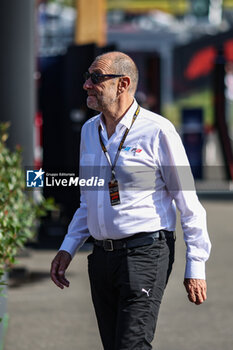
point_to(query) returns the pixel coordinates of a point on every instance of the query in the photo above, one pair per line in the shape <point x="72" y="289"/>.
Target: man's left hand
<point x="196" y="290"/>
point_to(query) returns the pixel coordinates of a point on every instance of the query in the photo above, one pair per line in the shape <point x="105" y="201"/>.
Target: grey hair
<point x="123" y="64"/>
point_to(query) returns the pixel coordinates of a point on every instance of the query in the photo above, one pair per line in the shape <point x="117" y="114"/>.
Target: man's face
<point x="103" y="94"/>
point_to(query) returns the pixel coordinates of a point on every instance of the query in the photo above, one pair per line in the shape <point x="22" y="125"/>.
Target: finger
<point x="58" y="268"/>
<point x="62" y="279"/>
<point x="57" y="277"/>
<point x="60" y="285"/>
<point x="53" y="274"/>
<point x="196" y="294"/>
<point x="56" y="281"/>
<point x="191" y="295"/>
<point x="54" y="269"/>
<point x="204" y="294"/>
<point x="61" y="273"/>
<point x="199" y="298"/>
<point x="201" y="295"/>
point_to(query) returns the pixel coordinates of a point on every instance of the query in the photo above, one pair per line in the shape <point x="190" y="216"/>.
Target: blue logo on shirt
<point x="35" y="178"/>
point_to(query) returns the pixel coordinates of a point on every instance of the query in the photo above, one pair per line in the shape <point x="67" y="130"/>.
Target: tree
<point x="18" y="210"/>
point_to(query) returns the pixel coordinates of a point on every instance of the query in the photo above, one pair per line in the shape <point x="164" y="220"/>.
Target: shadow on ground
<point x="19" y="276"/>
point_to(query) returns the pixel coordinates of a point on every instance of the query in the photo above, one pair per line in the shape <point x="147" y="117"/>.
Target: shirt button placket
<point x="100" y="211"/>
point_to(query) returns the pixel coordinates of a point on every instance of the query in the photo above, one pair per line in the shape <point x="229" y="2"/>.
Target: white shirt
<point x="154" y="177"/>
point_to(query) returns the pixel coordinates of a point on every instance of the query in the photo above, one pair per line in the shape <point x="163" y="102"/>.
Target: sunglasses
<point x="96" y="77"/>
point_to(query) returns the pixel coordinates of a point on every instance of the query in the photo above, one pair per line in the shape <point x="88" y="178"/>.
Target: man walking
<point x="133" y="220"/>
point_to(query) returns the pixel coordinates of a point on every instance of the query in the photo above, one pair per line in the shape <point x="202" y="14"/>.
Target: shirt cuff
<point x="195" y="269"/>
<point x="71" y="245"/>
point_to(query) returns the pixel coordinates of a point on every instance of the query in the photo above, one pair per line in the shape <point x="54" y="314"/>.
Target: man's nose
<point x="87" y="84"/>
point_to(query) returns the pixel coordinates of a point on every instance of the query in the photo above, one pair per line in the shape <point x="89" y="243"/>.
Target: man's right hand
<point x="58" y="268"/>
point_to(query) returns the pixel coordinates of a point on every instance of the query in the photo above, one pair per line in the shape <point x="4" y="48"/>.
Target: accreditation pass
<point x="114" y="192"/>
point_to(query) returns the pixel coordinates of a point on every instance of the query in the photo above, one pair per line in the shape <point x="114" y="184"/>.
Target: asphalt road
<point x="45" y="317"/>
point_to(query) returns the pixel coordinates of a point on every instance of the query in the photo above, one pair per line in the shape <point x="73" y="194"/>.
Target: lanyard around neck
<point x="120" y="145"/>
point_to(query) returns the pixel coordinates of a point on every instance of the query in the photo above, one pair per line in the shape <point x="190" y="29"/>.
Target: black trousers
<point x="127" y="286"/>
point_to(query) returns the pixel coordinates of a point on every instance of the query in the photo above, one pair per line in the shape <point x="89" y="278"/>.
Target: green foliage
<point x="18" y="210"/>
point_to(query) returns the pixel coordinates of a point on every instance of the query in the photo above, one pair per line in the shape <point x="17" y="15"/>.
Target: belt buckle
<point x="108" y="245"/>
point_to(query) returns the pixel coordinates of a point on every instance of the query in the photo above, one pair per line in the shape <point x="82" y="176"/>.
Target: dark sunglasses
<point x="96" y="77"/>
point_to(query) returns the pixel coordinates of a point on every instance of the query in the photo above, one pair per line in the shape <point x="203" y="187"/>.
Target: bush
<point x="18" y="210"/>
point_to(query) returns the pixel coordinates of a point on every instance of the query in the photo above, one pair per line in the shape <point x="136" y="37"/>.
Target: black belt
<point x="137" y="240"/>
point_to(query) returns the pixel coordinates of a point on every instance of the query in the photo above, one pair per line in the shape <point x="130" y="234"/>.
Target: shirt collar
<point x="125" y="121"/>
<point x="128" y="117"/>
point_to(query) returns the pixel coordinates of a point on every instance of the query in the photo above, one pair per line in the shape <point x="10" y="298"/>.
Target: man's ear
<point x="123" y="84"/>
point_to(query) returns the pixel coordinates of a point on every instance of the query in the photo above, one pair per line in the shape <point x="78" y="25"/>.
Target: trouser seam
<point x="151" y="300"/>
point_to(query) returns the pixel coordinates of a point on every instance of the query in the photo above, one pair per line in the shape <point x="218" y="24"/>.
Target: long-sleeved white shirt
<point x="154" y="177"/>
